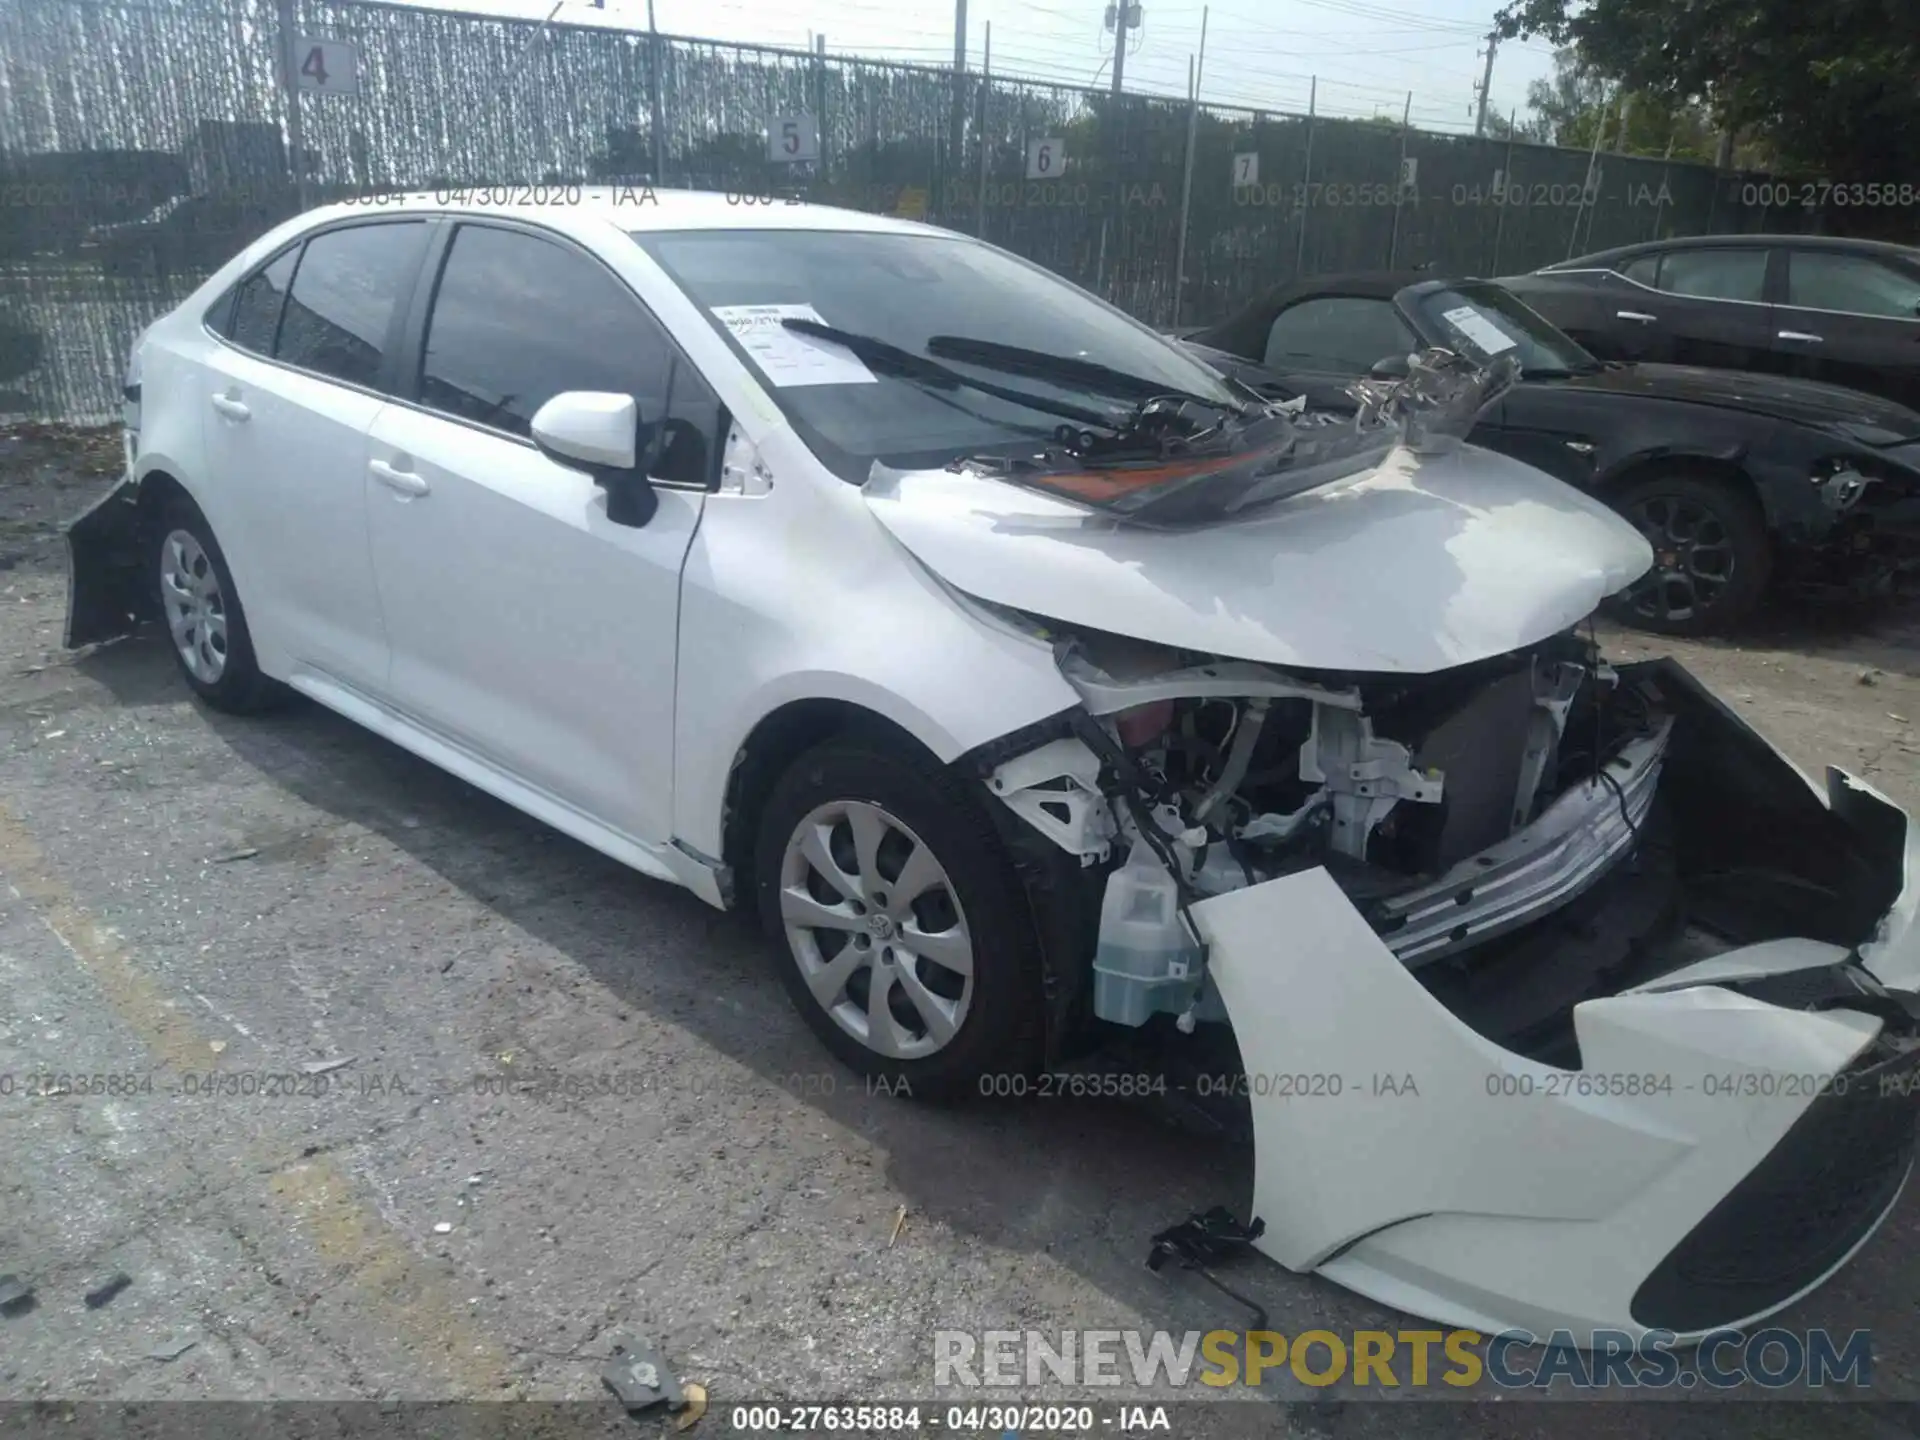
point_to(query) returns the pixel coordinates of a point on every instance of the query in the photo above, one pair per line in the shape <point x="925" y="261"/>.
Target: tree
<point x="1566" y="109"/>
<point x="1829" y="88"/>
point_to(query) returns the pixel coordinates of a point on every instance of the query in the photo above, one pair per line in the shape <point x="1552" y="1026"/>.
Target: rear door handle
<point x="231" y="408"/>
<point x="1799" y="335"/>
<point x="1639" y="317"/>
<point x="403" y="481"/>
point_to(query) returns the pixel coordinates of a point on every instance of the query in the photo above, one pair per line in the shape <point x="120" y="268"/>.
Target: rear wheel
<point x="1711" y="554"/>
<point x="205" y="623"/>
<point x="902" y="932"/>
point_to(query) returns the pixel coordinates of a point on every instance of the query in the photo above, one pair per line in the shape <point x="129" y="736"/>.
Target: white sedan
<point x="1026" y="677"/>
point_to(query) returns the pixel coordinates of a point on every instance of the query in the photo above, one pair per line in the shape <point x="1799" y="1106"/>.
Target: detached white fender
<point x="1506" y="1194"/>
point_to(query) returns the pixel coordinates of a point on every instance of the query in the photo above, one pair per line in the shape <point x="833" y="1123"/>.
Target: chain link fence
<point x="144" y="141"/>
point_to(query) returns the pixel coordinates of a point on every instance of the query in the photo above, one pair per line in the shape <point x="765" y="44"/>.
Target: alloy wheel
<point x="196" y="611"/>
<point x="875" y="926"/>
<point x="1692" y="558"/>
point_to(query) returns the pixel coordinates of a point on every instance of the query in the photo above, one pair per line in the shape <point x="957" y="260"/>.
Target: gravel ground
<point x="187" y="894"/>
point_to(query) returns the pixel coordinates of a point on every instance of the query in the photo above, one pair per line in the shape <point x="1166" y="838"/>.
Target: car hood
<point x="1866" y="418"/>
<point x="1424" y="562"/>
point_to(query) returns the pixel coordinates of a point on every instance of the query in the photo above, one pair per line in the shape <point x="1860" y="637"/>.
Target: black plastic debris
<point x="1207" y="1238"/>
<point x="640" y="1377"/>
<point x="16" y="1296"/>
<point x="100" y="1294"/>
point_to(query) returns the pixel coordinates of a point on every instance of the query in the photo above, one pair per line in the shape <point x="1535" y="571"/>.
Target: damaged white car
<point x="1026" y="676"/>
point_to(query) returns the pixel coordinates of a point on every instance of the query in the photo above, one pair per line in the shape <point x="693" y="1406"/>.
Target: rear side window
<point x="1345" y="335"/>
<point x="1646" y="270"/>
<point x="518" y="319"/>
<point x="343" y="298"/>
<point x="256" y="306"/>
<point x="1715" y="274"/>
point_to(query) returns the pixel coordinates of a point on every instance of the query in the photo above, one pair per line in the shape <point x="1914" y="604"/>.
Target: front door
<point x="1852" y="320"/>
<point x="524" y="624"/>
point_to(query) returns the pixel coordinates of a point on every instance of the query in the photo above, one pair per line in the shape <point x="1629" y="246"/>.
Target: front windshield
<point x="1485" y="322"/>
<point x="904" y="289"/>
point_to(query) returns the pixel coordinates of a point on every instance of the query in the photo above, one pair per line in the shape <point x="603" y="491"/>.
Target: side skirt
<point x="658" y="862"/>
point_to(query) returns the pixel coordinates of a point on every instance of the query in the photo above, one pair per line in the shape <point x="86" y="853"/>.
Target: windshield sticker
<point x="1476" y="327"/>
<point x="787" y="358"/>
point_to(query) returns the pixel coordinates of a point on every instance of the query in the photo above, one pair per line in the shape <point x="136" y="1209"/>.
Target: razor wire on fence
<point x="142" y="143"/>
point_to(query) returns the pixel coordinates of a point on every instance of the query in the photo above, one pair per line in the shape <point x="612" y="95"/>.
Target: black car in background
<point x="1815" y="307"/>
<point x="1737" y="480"/>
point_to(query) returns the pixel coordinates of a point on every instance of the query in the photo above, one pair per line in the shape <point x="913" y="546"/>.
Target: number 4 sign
<point x="793" y="138"/>
<point x="332" y="66"/>
<point x="1046" y="159"/>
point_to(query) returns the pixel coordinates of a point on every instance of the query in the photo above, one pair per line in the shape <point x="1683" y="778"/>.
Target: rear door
<point x="292" y="393"/>
<point x="526" y="626"/>
<point x="1704" y="305"/>
<point x="1852" y="320"/>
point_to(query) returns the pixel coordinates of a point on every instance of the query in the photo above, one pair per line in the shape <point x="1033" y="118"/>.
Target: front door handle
<point x="232" y="408"/>
<point x="403" y="481"/>
<point x="1638" y="317"/>
<point x="1800" y="336"/>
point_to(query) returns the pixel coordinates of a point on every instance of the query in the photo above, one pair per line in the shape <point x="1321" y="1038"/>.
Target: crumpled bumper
<point x="1716" y="1155"/>
<point x="105" y="593"/>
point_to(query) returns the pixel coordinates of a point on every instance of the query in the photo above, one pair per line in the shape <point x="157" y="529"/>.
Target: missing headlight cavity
<point x="1523" y="833"/>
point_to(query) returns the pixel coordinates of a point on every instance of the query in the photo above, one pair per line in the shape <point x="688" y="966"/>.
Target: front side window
<point x="1715" y="274"/>
<point x="1821" y="280"/>
<point x="518" y="319"/>
<point x="344" y="293"/>
<point x="257" y="304"/>
<point x="1340" y="334"/>
<point x="903" y="291"/>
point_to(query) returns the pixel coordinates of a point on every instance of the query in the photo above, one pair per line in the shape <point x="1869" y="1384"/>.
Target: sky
<point x="1368" y="54"/>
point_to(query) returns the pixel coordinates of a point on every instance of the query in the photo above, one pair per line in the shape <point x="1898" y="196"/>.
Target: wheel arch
<point x="776" y="740"/>
<point x="1704" y="464"/>
<point x="1062" y="896"/>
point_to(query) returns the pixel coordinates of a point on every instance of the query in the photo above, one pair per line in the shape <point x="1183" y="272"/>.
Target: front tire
<point x="1712" y="554"/>
<point x="901" y="930"/>
<point x="206" y="625"/>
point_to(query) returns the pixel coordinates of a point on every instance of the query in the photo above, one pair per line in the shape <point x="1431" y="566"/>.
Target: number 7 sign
<point x="331" y="66"/>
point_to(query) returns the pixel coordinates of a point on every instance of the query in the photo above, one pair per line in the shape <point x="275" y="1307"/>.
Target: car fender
<point x="801" y="594"/>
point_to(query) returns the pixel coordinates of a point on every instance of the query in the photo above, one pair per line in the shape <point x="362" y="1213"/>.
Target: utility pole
<point x="1120" y="9"/>
<point x="957" y="127"/>
<point x="1486" y="84"/>
<point x="655" y="57"/>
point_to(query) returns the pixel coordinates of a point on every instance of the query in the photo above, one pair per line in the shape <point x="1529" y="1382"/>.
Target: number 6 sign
<point x="332" y="66"/>
<point x="1046" y="159"/>
<point x="793" y="138"/>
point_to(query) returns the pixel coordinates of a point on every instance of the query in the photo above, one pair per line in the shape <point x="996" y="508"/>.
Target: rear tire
<point x="1712" y="554"/>
<point x="206" y="624"/>
<point x="955" y="1011"/>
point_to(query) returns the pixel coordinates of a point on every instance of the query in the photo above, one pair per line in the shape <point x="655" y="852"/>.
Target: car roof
<point x="1604" y="259"/>
<point x="636" y="207"/>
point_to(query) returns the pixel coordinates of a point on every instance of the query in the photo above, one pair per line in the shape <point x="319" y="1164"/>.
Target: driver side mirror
<point x="599" y="432"/>
<point x="1393" y="367"/>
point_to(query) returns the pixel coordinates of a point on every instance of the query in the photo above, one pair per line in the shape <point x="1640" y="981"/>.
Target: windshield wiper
<point x="1068" y="369"/>
<point x="885" y="356"/>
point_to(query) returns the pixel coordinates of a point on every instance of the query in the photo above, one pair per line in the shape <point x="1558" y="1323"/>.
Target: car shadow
<point x="1083" y="1182"/>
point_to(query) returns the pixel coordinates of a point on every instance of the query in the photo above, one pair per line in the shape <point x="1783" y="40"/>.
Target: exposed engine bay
<point x="1478" y="820"/>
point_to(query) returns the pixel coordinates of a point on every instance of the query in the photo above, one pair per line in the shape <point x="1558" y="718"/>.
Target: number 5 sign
<point x="332" y="66"/>
<point x="1046" y="159"/>
<point x="793" y="138"/>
